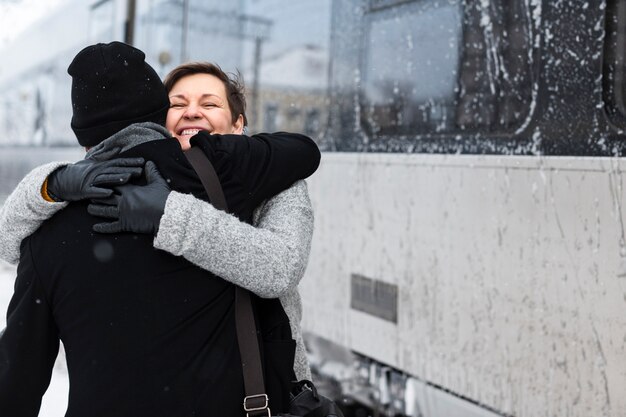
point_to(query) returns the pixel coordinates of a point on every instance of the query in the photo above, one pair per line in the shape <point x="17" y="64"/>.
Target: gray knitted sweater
<point x="268" y="259"/>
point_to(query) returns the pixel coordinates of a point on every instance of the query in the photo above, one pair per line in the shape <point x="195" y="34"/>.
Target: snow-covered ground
<point x="55" y="400"/>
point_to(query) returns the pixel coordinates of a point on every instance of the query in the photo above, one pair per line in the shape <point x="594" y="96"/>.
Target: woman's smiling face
<point x="198" y="102"/>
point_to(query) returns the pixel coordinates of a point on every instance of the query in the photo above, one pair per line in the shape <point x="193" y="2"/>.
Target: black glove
<point x="88" y="178"/>
<point x="136" y="208"/>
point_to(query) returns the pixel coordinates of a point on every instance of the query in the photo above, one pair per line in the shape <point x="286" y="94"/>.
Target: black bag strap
<point x="208" y="177"/>
<point x="256" y="402"/>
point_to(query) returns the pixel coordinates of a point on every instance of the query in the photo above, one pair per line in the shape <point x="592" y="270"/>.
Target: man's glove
<point x="89" y="178"/>
<point x="135" y="208"/>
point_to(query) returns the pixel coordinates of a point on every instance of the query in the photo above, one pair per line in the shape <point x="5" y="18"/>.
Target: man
<point x="145" y="333"/>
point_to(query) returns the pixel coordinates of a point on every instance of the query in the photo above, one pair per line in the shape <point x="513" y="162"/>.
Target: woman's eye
<point x="208" y="105"/>
<point x="176" y="106"/>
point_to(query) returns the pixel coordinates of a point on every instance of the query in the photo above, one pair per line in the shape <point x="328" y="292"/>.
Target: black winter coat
<point x="146" y="333"/>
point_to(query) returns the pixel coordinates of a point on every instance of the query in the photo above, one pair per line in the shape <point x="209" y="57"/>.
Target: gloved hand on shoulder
<point x="90" y="179"/>
<point x="135" y="208"/>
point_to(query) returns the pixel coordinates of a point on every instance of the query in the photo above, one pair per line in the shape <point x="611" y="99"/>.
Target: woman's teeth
<point x="187" y="132"/>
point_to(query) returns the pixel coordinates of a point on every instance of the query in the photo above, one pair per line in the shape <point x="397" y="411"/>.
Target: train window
<point x="434" y="66"/>
<point x="614" y="79"/>
<point x="407" y="83"/>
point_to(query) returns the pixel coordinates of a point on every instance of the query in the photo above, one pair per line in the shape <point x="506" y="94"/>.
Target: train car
<point x="469" y="256"/>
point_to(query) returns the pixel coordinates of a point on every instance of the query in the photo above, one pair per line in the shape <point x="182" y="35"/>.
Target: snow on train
<point x="469" y="256"/>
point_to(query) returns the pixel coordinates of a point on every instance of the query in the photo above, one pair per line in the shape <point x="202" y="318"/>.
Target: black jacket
<point x="146" y="333"/>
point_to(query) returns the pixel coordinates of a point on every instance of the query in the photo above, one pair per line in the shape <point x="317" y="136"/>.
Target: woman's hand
<point x="90" y="179"/>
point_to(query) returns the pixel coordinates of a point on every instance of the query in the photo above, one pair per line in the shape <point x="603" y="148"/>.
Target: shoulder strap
<point x="256" y="401"/>
<point x="208" y="177"/>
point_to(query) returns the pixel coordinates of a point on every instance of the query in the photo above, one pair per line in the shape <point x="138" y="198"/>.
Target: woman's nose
<point x="192" y="112"/>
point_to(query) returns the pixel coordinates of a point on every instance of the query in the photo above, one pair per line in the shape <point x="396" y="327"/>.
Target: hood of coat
<point x="126" y="139"/>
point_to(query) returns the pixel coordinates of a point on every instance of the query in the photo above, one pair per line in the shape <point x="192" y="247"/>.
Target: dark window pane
<point x="410" y="72"/>
<point x="433" y="66"/>
<point x="615" y="62"/>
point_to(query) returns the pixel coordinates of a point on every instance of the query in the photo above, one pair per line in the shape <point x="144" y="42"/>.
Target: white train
<point x="469" y="256"/>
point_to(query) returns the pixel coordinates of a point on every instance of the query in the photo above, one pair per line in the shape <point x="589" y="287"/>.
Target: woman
<point x="268" y="259"/>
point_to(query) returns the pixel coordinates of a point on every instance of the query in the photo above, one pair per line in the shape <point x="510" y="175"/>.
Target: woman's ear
<point x="238" y="125"/>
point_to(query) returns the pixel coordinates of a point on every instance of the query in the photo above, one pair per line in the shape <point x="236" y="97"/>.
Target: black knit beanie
<point x="112" y="88"/>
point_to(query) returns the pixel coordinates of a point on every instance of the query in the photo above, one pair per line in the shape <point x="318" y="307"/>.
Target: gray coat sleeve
<point x="269" y="259"/>
<point x="24" y="210"/>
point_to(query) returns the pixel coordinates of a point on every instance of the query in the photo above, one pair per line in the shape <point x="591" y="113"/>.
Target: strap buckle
<point x="248" y="408"/>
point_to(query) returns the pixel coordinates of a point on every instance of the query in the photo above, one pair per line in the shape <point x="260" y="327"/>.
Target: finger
<point x="120" y="170"/>
<point x="112" y="179"/>
<point x="152" y="173"/>
<point x="113" y="200"/>
<point x="99" y="210"/>
<point x="97" y="193"/>
<point x="113" y="227"/>
<point x="126" y="162"/>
